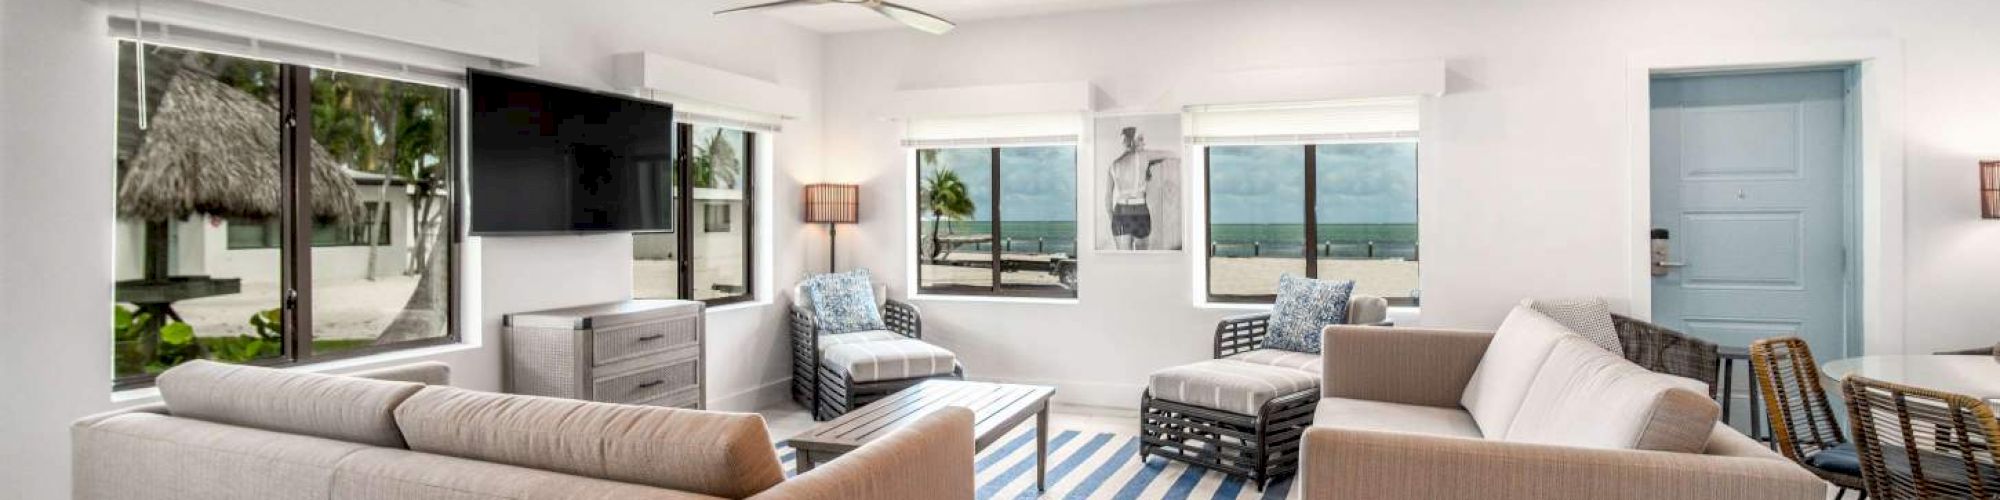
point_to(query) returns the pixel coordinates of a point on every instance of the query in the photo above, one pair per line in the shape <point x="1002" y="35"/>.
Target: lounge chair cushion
<point x="1839" y="459"/>
<point x="1305" y="306"/>
<point x="1229" y="385"/>
<point x="826" y="341"/>
<point x="1282" y="358"/>
<point x="844" y="302"/>
<point x="1500" y="382"/>
<point x="888" y="359"/>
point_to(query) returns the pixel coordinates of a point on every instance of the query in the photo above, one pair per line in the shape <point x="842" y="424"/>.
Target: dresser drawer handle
<point x="649" y="385"/>
<point x="653" y="337"/>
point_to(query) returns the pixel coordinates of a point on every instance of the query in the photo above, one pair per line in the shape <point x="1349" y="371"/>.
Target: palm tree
<point x="944" y="194"/>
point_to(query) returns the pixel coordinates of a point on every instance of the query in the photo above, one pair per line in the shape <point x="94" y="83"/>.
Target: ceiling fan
<point x="920" y="20"/>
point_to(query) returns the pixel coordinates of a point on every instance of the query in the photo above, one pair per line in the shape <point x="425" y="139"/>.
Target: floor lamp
<point x="832" y="204"/>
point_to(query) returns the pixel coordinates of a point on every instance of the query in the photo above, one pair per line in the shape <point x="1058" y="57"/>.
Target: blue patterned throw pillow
<point x="844" y="302"/>
<point x="1305" y="306"/>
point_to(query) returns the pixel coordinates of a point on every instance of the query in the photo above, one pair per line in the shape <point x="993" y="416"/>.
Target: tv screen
<point x="547" y="158"/>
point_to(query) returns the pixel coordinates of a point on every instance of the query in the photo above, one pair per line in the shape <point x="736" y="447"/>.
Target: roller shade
<point x="993" y="130"/>
<point x="702" y="113"/>
<point x="1359" y="120"/>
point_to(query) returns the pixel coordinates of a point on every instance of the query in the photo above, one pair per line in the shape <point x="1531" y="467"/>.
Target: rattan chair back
<point x="1802" y="422"/>
<point x="1918" y="443"/>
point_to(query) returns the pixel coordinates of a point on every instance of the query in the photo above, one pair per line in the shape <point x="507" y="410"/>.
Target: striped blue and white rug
<point x="1091" y="466"/>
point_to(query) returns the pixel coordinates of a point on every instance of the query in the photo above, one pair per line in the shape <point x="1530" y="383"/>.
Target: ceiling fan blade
<point x="768" y="5"/>
<point x="922" y="21"/>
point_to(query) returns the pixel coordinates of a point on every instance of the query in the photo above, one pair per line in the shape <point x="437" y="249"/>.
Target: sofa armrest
<point x="930" y="459"/>
<point x="1358" y="464"/>
<point x="1418" y="366"/>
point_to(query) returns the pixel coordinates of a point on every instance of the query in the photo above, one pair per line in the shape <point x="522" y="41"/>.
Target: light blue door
<point x="1747" y="180"/>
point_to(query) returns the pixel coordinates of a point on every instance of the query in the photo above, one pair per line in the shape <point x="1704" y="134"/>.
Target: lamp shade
<point x="833" y="203"/>
<point x="1989" y="189"/>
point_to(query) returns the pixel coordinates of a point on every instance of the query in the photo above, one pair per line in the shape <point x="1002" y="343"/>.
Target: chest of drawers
<point x="643" y="352"/>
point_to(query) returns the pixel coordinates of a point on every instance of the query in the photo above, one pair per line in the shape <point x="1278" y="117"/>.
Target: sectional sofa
<point x="226" y="432"/>
<point x="1530" y="411"/>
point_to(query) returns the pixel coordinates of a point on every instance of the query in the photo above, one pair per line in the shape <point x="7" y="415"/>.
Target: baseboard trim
<point x="763" y="396"/>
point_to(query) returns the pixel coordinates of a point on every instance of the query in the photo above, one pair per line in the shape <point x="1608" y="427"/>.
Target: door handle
<point x="1670" y="264"/>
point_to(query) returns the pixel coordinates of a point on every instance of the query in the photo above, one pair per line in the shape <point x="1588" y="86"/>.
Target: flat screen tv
<point x="548" y="159"/>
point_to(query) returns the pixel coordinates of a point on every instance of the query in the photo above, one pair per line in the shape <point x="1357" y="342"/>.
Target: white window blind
<point x="420" y="66"/>
<point x="1358" y="120"/>
<point x="993" y="130"/>
<point x="703" y="113"/>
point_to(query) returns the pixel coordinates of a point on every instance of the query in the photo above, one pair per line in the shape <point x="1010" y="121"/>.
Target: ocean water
<point x="1382" y="241"/>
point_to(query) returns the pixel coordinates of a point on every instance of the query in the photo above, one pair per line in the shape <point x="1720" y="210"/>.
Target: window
<point x="715" y="218"/>
<point x="997" y="221"/>
<point x="230" y="249"/>
<point x="247" y="234"/>
<point x="714" y="165"/>
<point x="1331" y="211"/>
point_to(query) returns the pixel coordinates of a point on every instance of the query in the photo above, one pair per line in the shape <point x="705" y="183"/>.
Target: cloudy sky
<point x="1358" y="183"/>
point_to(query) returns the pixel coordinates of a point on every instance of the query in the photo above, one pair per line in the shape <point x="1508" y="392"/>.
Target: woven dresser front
<point x="644" y="352"/>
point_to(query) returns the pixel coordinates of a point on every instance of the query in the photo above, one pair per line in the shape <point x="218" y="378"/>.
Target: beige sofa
<point x="1530" y="412"/>
<point x="232" y="432"/>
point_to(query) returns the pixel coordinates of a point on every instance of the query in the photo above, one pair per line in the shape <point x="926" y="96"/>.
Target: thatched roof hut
<point x="213" y="149"/>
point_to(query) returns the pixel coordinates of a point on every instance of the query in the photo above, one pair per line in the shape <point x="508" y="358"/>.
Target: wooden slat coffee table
<point x="996" y="409"/>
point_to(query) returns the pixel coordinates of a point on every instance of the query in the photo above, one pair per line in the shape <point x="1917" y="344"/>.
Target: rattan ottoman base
<point x="838" y="395"/>
<point x="1257" y="448"/>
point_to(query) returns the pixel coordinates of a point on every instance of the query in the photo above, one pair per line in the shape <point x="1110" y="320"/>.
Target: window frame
<point x="685" y="220"/>
<point x="1310" y="251"/>
<point x="296" y="294"/>
<point x="998" y="288"/>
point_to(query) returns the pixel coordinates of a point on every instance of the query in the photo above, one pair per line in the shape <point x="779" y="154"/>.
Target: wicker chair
<point x="1666" y="351"/>
<point x="1802" y="423"/>
<point x="1921" y="444"/>
<point x="1256" y="447"/>
<point x="830" y="392"/>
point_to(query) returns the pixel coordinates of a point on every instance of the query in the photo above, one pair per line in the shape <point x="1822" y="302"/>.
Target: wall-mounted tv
<point x="548" y="159"/>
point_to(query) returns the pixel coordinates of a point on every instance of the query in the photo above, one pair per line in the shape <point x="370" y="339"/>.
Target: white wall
<point x="56" y="211"/>
<point x="1525" y="189"/>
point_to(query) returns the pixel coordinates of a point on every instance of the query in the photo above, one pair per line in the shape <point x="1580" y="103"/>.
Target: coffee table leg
<point x="805" y="461"/>
<point x="1042" y="448"/>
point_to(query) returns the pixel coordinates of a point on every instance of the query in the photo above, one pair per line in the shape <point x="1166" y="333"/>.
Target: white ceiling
<point x="834" y="18"/>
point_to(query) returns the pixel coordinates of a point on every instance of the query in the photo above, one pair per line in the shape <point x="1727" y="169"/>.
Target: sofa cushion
<point x="1586" y="397"/>
<point x="826" y="341"/>
<point x="1304" y="307"/>
<point x="711" y="453"/>
<point x="1394" y="417"/>
<point x="844" y="302"/>
<point x="1229" y="385"/>
<point x="145" y="455"/>
<point x="888" y="359"/>
<point x="1508" y="367"/>
<point x="379" y="473"/>
<point x="1590" y="318"/>
<point x="330" y="406"/>
<point x="1283" y="359"/>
